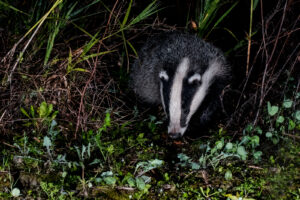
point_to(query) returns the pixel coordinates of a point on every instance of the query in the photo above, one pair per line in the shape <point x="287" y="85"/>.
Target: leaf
<point x="255" y="141"/>
<point x="228" y="146"/>
<point x="43" y="109"/>
<point x="297" y="115"/>
<point x="149" y="10"/>
<point x="287" y="103"/>
<point x="242" y="152"/>
<point x="131" y="182"/>
<point x="80" y="69"/>
<point x="257" y="155"/>
<point x="47" y="142"/>
<point x="126" y="14"/>
<point x="195" y="166"/>
<point x="269" y="134"/>
<point x="140" y="184"/>
<point x="292" y="125"/>
<point x="182" y="157"/>
<point x="32" y="111"/>
<point x="228" y="175"/>
<point x="219" y="144"/>
<point x="24" y="112"/>
<point x="108" y="173"/>
<point x="272" y="110"/>
<point x="15" y="192"/>
<point x="280" y="119"/>
<point x="110" y="180"/>
<point x="147" y="179"/>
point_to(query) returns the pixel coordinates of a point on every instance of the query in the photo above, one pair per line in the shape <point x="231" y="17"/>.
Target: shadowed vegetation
<point x="71" y="129"/>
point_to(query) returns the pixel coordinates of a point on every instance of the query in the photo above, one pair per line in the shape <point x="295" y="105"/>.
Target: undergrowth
<point x="70" y="128"/>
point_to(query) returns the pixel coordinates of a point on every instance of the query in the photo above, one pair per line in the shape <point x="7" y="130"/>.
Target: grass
<point x="64" y="74"/>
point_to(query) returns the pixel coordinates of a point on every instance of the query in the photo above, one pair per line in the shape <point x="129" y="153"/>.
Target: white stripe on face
<point x="175" y="98"/>
<point x="214" y="69"/>
<point x="195" y="77"/>
<point x="164" y="75"/>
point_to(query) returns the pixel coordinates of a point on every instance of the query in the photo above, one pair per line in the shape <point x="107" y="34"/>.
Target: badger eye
<point x="163" y="75"/>
<point x="196" y="78"/>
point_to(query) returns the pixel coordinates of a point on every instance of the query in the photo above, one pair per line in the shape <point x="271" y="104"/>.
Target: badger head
<point x="183" y="90"/>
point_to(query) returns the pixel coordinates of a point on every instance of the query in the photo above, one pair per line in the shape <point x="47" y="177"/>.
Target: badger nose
<point x="174" y="135"/>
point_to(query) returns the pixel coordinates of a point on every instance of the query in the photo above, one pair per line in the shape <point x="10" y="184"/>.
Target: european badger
<point x="184" y="74"/>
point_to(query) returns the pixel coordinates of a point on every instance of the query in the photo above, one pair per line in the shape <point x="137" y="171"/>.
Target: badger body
<point x="184" y="74"/>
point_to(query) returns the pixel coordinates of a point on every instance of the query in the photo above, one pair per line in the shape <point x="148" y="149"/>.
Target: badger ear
<point x="163" y="75"/>
<point x="195" y="78"/>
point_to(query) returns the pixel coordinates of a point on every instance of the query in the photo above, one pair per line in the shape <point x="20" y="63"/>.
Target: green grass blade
<point x="221" y="18"/>
<point x="127" y="14"/>
<point x="13" y="8"/>
<point x="148" y="11"/>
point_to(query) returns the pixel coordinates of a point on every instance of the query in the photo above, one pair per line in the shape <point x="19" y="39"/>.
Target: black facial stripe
<point x="187" y="95"/>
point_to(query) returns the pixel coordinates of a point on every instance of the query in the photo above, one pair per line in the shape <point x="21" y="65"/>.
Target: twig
<point x="249" y="38"/>
<point x="22" y="52"/>
<point x="2" y="115"/>
<point x="262" y="96"/>
<point x="125" y="188"/>
<point x="94" y="70"/>
<point x="293" y="136"/>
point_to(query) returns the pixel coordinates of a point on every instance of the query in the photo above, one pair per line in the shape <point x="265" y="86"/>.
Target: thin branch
<point x="93" y="72"/>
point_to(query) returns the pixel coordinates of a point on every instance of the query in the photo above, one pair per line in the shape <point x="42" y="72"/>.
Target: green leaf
<point x="24" y="112"/>
<point x="195" y="166"/>
<point x="242" y="152"/>
<point x="257" y="155"/>
<point x="126" y="14"/>
<point x="80" y="70"/>
<point x="110" y="180"/>
<point x="228" y="146"/>
<point x="47" y="142"/>
<point x="258" y="130"/>
<point x="292" y="125"/>
<point x="297" y="115"/>
<point x="272" y="110"/>
<point x="269" y="134"/>
<point x="219" y="144"/>
<point x="228" y="175"/>
<point x="140" y="184"/>
<point x="149" y="10"/>
<point x="287" y="103"/>
<point x="183" y="157"/>
<point x="15" y="192"/>
<point x="255" y="141"/>
<point x="131" y="182"/>
<point x="280" y="119"/>
<point x="43" y="109"/>
<point x="32" y="111"/>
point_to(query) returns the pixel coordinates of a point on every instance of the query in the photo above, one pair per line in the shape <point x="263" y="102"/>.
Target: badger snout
<point x="176" y="131"/>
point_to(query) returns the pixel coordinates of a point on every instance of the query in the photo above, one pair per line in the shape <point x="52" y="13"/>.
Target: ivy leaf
<point x="110" y="180"/>
<point x="269" y="134"/>
<point x="195" y="166"/>
<point x="292" y="125"/>
<point x="140" y="183"/>
<point x="280" y="119"/>
<point x="272" y="110"/>
<point x="15" y="192"/>
<point x="287" y="103"/>
<point x="257" y="155"/>
<point x="297" y="115"/>
<point x="228" y="175"/>
<point x="242" y="152"/>
<point x="228" y="146"/>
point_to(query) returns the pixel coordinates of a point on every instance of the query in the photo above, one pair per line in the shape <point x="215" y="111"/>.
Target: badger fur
<point x="184" y="74"/>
